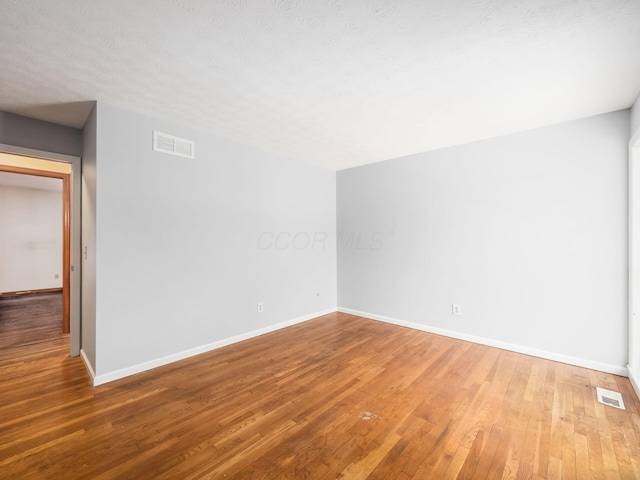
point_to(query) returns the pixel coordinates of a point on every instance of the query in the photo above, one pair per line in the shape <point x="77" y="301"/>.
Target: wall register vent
<point x="173" y="145"/>
<point x="609" y="397"/>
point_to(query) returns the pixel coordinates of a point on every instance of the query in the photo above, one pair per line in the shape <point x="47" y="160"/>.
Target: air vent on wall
<point x="173" y="145"/>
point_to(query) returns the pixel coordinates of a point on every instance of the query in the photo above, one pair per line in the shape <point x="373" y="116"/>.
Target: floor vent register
<point x="609" y="397"/>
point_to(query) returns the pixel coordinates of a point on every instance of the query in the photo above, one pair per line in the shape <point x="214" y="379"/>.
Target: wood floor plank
<point x="569" y="471"/>
<point x="554" y="471"/>
<point x="582" y="457"/>
<point x="347" y="398"/>
<point x="472" y="457"/>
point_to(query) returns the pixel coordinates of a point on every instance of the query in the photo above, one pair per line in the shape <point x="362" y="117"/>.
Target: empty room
<point x="319" y="239"/>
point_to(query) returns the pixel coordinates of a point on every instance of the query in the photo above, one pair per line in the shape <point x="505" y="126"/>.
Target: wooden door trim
<point x="66" y="233"/>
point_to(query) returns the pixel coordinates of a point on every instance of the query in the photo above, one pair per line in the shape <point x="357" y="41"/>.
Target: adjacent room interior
<point x="320" y="240"/>
<point x="31" y="256"/>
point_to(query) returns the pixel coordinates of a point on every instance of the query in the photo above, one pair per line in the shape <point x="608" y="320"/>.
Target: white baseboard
<point x="635" y="381"/>
<point x="557" y="357"/>
<point x="141" y="367"/>
<point x="87" y="365"/>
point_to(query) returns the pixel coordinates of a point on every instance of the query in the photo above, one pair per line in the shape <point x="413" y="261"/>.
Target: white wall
<point x="182" y="250"/>
<point x="30" y="239"/>
<point x="527" y="232"/>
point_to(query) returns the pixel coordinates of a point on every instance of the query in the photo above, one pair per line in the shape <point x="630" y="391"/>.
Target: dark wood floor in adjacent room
<point x="335" y="397"/>
<point x="28" y="319"/>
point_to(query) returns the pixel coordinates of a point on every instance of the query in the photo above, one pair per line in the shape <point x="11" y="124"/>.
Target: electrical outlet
<point x="260" y="308"/>
<point x="456" y="309"/>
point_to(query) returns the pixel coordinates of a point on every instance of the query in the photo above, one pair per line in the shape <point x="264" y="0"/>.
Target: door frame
<point x="71" y="279"/>
<point x="633" y="365"/>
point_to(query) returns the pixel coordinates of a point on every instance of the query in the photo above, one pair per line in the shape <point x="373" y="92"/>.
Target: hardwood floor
<point x="335" y="397"/>
<point x="27" y="319"/>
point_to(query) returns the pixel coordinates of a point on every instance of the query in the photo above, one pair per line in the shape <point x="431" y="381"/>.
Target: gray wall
<point x="88" y="272"/>
<point x="635" y="117"/>
<point x="186" y="248"/>
<point x="527" y="232"/>
<point x="39" y="135"/>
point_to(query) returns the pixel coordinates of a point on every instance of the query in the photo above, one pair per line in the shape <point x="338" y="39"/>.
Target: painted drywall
<point x="30" y="238"/>
<point x="88" y="242"/>
<point x="186" y="248"/>
<point x="527" y="232"/>
<point x="27" y="132"/>
<point x="635" y="117"/>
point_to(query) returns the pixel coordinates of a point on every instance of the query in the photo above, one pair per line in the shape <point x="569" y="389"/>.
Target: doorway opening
<point x="37" y="194"/>
<point x="61" y="169"/>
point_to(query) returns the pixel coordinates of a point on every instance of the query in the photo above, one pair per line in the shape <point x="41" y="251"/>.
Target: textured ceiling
<point x="336" y="83"/>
